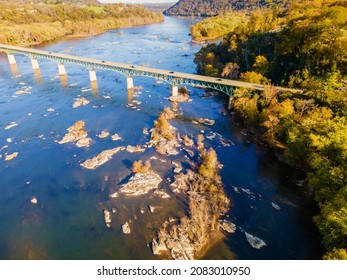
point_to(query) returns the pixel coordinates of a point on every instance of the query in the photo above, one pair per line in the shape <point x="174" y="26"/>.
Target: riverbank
<point x="37" y="24"/>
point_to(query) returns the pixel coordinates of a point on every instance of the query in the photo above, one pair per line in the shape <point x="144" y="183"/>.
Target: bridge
<point x="129" y="71"/>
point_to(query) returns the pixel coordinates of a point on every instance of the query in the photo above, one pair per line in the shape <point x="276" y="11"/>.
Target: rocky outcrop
<point x="116" y="137"/>
<point x="207" y="202"/>
<point x="161" y="194"/>
<point x="80" y="102"/>
<point x="177" y="167"/>
<point x="227" y="226"/>
<point x="165" y="147"/>
<point x="254" y="241"/>
<point x="107" y="217"/>
<point x="180" y="98"/>
<point x="126" y="228"/>
<point x="103" y="134"/>
<point x="275" y="206"/>
<point x="139" y="184"/>
<point x="11" y="156"/>
<point x="101" y="158"/>
<point x="12" y="124"/>
<point x="205" y="121"/>
<point x="77" y="133"/>
<point x="187" y="141"/>
<point x="135" y="149"/>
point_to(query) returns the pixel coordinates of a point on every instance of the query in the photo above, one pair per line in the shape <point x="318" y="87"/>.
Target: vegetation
<point x="162" y="129"/>
<point x="215" y="7"/>
<point x="141" y="167"/>
<point x="30" y="24"/>
<point x="303" y="46"/>
<point x="216" y="27"/>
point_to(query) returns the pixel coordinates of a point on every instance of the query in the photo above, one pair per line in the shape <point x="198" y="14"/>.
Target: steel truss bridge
<point x="172" y="77"/>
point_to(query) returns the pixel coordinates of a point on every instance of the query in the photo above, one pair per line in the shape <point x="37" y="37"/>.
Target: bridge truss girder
<point x="129" y="72"/>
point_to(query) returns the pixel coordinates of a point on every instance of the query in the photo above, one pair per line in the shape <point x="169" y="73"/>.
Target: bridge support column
<point x="92" y="75"/>
<point x="35" y="64"/>
<point x="62" y="71"/>
<point x="11" y="59"/>
<point x="230" y="104"/>
<point x="174" y="90"/>
<point x="130" y="83"/>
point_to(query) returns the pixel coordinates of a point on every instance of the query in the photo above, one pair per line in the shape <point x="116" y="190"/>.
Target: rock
<point x="84" y="142"/>
<point x="103" y="134"/>
<point x="114" y="210"/>
<point x="158" y="246"/>
<point x="205" y="121"/>
<point x="139" y="184"/>
<point x="274" y="205"/>
<point x="227" y="226"/>
<point x="80" y="102"/>
<point x="169" y="114"/>
<point x="211" y="136"/>
<point x="107" y="216"/>
<point x="187" y="141"/>
<point x="116" y="137"/>
<point x="12" y="124"/>
<point x="255" y="242"/>
<point x="180" y="98"/>
<point x="101" y="158"/>
<point x="11" y="156"/>
<point x="126" y="228"/>
<point x="145" y="131"/>
<point x="152" y="208"/>
<point x="190" y="152"/>
<point x="77" y="133"/>
<point x="34" y="200"/>
<point x="226" y="143"/>
<point x="142" y="211"/>
<point x="181" y="249"/>
<point x="135" y="149"/>
<point x="161" y="194"/>
<point x="165" y="147"/>
<point x="236" y="190"/>
<point x="178" y="167"/>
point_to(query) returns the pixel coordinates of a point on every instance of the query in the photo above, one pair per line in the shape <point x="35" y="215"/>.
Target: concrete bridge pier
<point x="130" y="83"/>
<point x="92" y="75"/>
<point x="11" y="59"/>
<point x="174" y="90"/>
<point x="61" y="68"/>
<point x="230" y="104"/>
<point x="35" y="64"/>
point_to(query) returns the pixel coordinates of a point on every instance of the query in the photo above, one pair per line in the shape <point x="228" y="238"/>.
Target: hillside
<point x="25" y="24"/>
<point x="304" y="47"/>
<point x="214" y="7"/>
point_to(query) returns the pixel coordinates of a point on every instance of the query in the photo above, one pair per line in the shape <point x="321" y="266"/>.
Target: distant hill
<point x="158" y="7"/>
<point x="215" y="7"/>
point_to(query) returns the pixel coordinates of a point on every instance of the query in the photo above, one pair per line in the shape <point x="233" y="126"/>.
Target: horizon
<point x="138" y="1"/>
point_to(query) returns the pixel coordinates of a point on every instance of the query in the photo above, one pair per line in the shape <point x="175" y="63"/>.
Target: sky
<point x="137" y="1"/>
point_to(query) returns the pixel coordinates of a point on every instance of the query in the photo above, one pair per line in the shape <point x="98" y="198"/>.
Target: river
<point x="67" y="221"/>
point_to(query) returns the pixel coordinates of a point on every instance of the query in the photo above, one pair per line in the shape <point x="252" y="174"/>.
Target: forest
<point x="207" y="8"/>
<point x="27" y="23"/>
<point x="302" y="46"/>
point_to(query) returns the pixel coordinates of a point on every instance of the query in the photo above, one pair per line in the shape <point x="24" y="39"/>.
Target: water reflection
<point x="14" y="70"/>
<point x="63" y="81"/>
<point x="95" y="89"/>
<point x="38" y="76"/>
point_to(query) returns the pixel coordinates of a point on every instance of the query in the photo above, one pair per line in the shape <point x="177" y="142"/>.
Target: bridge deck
<point x="95" y="63"/>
